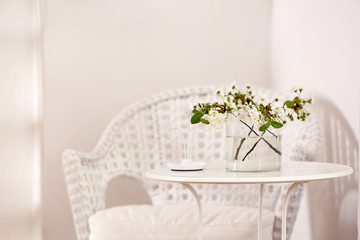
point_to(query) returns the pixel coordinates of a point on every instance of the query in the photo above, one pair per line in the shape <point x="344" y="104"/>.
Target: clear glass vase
<point x="250" y="150"/>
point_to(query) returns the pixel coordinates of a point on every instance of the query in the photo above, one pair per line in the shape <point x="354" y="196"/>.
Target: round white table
<point x="290" y="172"/>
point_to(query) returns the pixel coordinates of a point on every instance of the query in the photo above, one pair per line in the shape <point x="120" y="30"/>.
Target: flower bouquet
<point x="253" y="123"/>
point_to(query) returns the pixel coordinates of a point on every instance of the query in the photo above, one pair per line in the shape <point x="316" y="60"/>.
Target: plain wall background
<point x="315" y="44"/>
<point x="101" y="56"/>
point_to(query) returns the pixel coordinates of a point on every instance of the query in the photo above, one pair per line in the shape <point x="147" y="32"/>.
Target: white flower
<point x="281" y="99"/>
<point x="233" y="105"/>
<point x="283" y="114"/>
<point x="207" y="117"/>
<point x="229" y="102"/>
<point x="221" y="100"/>
<point x="277" y="106"/>
<point x="254" y="117"/>
<point x="248" y="86"/>
<point x="219" y="91"/>
<point x="256" y="99"/>
<point x="292" y="95"/>
<point x="233" y="83"/>
<point x="216" y="119"/>
<point x="313" y="100"/>
<point x="213" y="113"/>
<point x="264" y="99"/>
<point x="308" y="107"/>
<point x="294" y="88"/>
<point x="242" y="114"/>
<point x="229" y="88"/>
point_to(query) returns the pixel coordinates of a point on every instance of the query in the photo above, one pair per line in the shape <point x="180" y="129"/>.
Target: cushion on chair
<point x="178" y="221"/>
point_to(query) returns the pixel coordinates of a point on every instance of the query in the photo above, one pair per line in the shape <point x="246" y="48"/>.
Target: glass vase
<point x="250" y="150"/>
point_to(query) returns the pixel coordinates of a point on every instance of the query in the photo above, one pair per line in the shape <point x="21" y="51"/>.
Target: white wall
<point x="101" y="56"/>
<point x="316" y="44"/>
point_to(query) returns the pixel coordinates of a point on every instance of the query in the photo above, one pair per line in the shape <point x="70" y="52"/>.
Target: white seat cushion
<point x="178" y="221"/>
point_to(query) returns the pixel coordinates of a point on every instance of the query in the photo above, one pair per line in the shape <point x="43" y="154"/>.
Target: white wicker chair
<point x="134" y="142"/>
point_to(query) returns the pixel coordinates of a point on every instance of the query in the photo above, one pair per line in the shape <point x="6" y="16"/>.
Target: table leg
<point x="284" y="209"/>
<point x="260" y="211"/>
<point x="196" y="195"/>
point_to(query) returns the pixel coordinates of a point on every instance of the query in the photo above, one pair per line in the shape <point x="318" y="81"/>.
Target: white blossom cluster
<point x="242" y="112"/>
<point x="216" y="119"/>
<point x="259" y="111"/>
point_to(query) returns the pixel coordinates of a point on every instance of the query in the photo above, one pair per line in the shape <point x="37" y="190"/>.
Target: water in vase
<point x="253" y="153"/>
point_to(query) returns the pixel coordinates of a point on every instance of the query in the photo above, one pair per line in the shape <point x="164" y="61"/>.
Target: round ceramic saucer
<point x="186" y="166"/>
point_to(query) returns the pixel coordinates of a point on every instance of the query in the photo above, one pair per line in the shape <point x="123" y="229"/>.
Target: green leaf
<point x="276" y="124"/>
<point x="288" y="103"/>
<point x="204" y="121"/>
<point x="196" y="118"/>
<point x="264" y="127"/>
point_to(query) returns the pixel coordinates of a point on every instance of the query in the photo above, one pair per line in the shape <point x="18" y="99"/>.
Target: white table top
<point x="290" y="172"/>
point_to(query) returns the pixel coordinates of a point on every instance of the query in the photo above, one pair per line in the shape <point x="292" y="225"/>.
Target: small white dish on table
<point x="187" y="165"/>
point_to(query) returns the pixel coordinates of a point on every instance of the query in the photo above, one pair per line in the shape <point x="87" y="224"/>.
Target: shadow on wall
<point x="333" y="203"/>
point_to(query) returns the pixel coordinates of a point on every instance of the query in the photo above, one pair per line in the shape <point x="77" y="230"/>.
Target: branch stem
<point x="241" y="143"/>
<point x="251" y="128"/>
<point x="253" y="147"/>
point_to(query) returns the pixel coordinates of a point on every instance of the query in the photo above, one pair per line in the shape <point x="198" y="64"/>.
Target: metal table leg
<point x="196" y="195"/>
<point x="260" y="211"/>
<point x="284" y="209"/>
